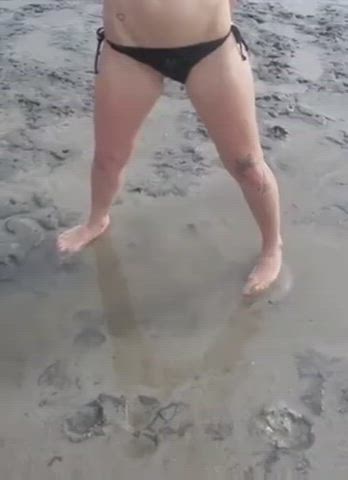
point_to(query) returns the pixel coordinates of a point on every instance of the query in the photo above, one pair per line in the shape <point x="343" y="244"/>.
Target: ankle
<point x="98" y="222"/>
<point x="272" y="247"/>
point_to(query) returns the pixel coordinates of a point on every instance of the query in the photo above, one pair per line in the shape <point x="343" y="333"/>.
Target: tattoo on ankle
<point x="121" y="17"/>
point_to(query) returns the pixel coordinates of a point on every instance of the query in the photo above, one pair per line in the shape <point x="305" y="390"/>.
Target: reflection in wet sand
<point x="131" y="353"/>
<point x="157" y="361"/>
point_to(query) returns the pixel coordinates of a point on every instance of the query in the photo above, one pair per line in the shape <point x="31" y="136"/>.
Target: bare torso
<point x="165" y="23"/>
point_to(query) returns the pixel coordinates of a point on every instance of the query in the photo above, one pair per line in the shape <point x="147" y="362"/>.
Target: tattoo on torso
<point x="120" y="16"/>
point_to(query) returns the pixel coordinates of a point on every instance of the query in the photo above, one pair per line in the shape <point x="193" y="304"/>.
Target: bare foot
<point x="75" y="239"/>
<point x="265" y="273"/>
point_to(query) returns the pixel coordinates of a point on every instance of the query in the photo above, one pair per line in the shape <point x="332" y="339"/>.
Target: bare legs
<point x="124" y="95"/>
<point x="221" y="89"/>
<point x="263" y="199"/>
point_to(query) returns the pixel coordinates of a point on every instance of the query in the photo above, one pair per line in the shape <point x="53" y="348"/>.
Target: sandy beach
<point x="137" y="359"/>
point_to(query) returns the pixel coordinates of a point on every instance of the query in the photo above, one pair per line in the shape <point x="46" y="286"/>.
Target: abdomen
<point x="165" y="23"/>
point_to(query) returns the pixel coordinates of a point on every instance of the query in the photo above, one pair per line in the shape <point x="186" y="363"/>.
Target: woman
<point x="191" y="42"/>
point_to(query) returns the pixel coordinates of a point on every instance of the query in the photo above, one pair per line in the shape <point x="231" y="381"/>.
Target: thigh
<point x="222" y="91"/>
<point x="125" y="92"/>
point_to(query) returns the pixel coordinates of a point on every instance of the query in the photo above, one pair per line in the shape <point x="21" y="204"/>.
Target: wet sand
<point x="138" y="358"/>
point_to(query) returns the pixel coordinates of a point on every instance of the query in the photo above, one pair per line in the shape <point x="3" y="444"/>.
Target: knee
<point x="250" y="172"/>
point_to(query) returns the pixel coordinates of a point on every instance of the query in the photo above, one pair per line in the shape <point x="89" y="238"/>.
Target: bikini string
<point x="240" y="40"/>
<point x="100" y="38"/>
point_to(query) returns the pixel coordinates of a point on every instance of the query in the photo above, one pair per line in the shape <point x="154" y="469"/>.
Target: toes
<point x="255" y="287"/>
<point x="251" y="289"/>
<point x="60" y="244"/>
<point x="74" y="240"/>
<point x="65" y="241"/>
<point x="63" y="245"/>
<point x="62" y="248"/>
<point x="252" y="285"/>
<point x="258" y="283"/>
<point x="65" y="235"/>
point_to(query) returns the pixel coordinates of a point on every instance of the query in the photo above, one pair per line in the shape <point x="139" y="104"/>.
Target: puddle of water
<point x="171" y="325"/>
<point x="168" y="293"/>
<point x="153" y="301"/>
<point x="164" y="288"/>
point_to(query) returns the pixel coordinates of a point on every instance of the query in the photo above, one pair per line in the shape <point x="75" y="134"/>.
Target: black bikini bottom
<point x="175" y="63"/>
